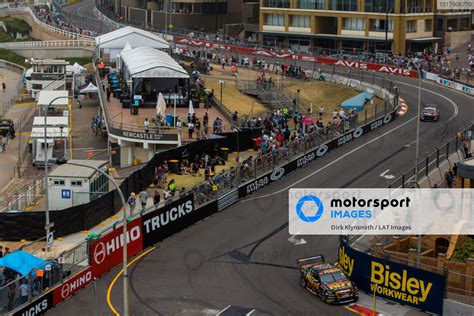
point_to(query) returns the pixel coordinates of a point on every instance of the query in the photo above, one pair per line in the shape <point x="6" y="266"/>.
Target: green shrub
<point x="15" y="26"/>
<point x="12" y="57"/>
<point x="465" y="251"/>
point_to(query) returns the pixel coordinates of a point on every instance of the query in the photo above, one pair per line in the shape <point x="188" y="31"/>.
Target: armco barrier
<point x="397" y="282"/>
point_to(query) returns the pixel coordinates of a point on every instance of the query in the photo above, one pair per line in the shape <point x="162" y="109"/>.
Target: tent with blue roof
<point x="358" y="101"/>
<point x="22" y="262"/>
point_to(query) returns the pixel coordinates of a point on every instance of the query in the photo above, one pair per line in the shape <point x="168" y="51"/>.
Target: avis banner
<point x="107" y="252"/>
<point x="390" y="69"/>
<point x="167" y="220"/>
<point x="394" y="281"/>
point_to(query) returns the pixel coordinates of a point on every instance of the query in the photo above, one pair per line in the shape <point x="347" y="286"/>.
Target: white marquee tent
<point x="113" y="42"/>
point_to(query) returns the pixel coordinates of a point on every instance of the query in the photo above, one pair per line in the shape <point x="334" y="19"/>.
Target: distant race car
<point x="430" y="113"/>
<point x="326" y="281"/>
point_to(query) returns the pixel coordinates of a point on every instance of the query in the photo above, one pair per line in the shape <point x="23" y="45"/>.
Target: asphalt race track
<point x="242" y="256"/>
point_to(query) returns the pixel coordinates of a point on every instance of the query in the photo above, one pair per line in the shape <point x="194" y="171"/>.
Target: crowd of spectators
<point x="59" y="21"/>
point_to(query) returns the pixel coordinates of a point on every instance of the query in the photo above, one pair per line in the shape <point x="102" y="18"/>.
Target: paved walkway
<point x="9" y="158"/>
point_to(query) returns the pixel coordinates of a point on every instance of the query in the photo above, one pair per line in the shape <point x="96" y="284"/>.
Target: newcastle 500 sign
<point x="397" y="282"/>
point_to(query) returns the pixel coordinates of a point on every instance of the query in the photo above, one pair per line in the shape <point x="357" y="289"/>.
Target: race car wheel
<point x="303" y="282"/>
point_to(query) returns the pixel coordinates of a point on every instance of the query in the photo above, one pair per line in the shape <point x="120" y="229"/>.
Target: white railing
<point x="85" y="44"/>
<point x="23" y="8"/>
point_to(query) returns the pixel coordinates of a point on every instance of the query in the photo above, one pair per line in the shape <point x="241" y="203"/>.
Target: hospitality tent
<point x="112" y="43"/>
<point x="22" y="262"/>
<point x="151" y="71"/>
<point x="90" y="89"/>
<point x="79" y="67"/>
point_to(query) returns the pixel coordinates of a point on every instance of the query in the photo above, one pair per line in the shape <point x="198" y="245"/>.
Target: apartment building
<point x="398" y="26"/>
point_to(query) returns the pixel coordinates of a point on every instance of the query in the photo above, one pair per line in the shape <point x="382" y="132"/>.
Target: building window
<point x="411" y="26"/>
<point x="379" y="6"/>
<point x="300" y="21"/>
<point x="310" y="4"/>
<point x="428" y="25"/>
<point x="439" y="25"/>
<point x="343" y="5"/>
<point x="58" y="182"/>
<point x="353" y="24"/>
<point x="276" y="3"/>
<point x="275" y="19"/>
<point x="379" y="26"/>
<point x="415" y="6"/>
<point x="76" y="183"/>
<point x="464" y="23"/>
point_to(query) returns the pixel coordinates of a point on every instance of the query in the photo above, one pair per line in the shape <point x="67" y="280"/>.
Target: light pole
<point x="46" y="187"/>
<point x="126" y="302"/>
<point x="417" y="149"/>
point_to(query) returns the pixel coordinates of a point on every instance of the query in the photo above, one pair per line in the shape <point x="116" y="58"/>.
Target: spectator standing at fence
<point x="7" y="251"/>
<point x="146" y="125"/>
<point x="321" y="112"/>
<point x="143" y="198"/>
<point x="235" y="118"/>
<point x="4" y="86"/>
<point x="23" y="292"/>
<point x="1" y="251"/>
<point x="448" y="176"/>
<point x="172" y="187"/>
<point x="131" y="202"/>
<point x="108" y="94"/>
<point x="156" y="198"/>
<point x="190" y="129"/>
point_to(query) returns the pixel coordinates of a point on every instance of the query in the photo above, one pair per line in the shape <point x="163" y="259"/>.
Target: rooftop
<point x="134" y="36"/>
<point x="46" y="96"/>
<point x="146" y="62"/>
<point x="68" y="170"/>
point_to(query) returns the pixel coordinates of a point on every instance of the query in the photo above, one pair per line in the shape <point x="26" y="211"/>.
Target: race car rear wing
<point x="310" y="261"/>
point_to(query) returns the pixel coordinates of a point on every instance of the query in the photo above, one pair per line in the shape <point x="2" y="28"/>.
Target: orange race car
<point x="327" y="281"/>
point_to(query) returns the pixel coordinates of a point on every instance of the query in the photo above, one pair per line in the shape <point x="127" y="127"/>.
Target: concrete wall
<point x="45" y="53"/>
<point x="454" y="308"/>
<point x="456" y="39"/>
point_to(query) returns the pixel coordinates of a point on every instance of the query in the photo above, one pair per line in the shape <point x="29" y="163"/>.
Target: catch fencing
<point x="43" y="278"/>
<point x="433" y="160"/>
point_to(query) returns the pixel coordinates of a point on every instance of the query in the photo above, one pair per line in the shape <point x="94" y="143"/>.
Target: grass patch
<point x="10" y="56"/>
<point x="188" y="181"/>
<point x="233" y="99"/>
<point x="465" y="251"/>
<point x="16" y="26"/>
<point x="330" y="96"/>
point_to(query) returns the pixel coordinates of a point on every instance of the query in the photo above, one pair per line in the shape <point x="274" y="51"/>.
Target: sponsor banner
<point x="323" y="60"/>
<point x="430" y="76"/>
<point x="72" y="286"/>
<point x="266" y="179"/>
<point x="107" y="252"/>
<point x="38" y="306"/>
<point x="167" y="220"/>
<point x="393" y="281"/>
<point x="456" y="85"/>
<point x="380" y="211"/>
<point x="367" y="66"/>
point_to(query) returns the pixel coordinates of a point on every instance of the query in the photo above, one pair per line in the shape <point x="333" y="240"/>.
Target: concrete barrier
<point x="454" y="308"/>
